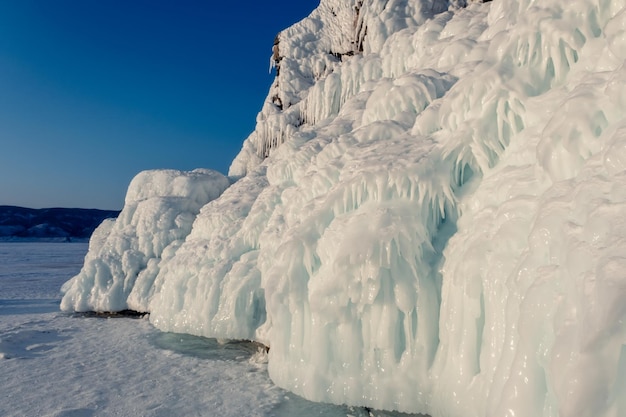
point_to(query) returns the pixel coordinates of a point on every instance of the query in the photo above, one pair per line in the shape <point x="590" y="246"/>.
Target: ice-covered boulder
<point x="124" y="253"/>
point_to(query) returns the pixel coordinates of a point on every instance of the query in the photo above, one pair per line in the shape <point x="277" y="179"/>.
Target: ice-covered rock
<point x="428" y="216"/>
<point x="124" y="254"/>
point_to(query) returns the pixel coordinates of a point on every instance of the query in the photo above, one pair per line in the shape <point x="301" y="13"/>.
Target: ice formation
<point x="429" y="216"/>
<point x="124" y="254"/>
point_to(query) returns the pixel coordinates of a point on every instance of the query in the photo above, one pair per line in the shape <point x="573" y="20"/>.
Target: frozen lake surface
<point x="58" y="364"/>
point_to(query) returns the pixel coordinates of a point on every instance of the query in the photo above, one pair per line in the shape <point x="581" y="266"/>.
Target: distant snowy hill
<point x="18" y="223"/>
<point x="430" y="215"/>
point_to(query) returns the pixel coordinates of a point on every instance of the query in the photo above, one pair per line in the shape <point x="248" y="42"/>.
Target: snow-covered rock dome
<point x="429" y="216"/>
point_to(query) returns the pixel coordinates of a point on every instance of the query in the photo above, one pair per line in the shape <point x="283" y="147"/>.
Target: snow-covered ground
<point x="59" y="364"/>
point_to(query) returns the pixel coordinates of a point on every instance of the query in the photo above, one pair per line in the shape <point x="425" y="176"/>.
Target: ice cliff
<point x="430" y="215"/>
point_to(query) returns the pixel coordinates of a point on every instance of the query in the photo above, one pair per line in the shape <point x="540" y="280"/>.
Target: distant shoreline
<point x="21" y="224"/>
<point x="13" y="239"/>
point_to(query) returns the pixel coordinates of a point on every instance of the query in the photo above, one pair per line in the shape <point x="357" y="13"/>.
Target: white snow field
<point x="429" y="217"/>
<point x="70" y="365"/>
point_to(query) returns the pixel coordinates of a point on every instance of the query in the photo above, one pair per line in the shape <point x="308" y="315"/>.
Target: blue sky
<point x="92" y="92"/>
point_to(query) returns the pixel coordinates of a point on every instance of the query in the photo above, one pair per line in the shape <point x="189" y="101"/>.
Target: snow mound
<point x="124" y="254"/>
<point x="428" y="217"/>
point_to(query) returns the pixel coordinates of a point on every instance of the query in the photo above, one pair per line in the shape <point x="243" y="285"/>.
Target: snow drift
<point x="429" y="216"/>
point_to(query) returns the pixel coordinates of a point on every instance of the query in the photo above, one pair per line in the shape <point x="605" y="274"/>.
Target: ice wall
<point x="428" y="216"/>
<point x="307" y="55"/>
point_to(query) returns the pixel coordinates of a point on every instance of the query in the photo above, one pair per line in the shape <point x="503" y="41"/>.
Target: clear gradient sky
<point x="94" y="91"/>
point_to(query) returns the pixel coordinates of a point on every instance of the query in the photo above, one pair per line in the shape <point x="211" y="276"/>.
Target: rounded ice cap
<point x="199" y="185"/>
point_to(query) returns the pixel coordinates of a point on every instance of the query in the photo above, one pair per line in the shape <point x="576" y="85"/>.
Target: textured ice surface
<point x="124" y="254"/>
<point x="429" y="216"/>
<point x="110" y="367"/>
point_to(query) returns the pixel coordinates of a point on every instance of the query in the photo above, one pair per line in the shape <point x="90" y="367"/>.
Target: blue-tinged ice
<point x="429" y="216"/>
